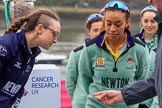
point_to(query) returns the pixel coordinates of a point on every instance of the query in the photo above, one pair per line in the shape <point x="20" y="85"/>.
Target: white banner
<point x="42" y="88"/>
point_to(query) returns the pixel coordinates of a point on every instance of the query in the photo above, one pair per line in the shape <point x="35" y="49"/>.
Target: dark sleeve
<point x="139" y="91"/>
<point x="3" y="59"/>
<point x="15" y="101"/>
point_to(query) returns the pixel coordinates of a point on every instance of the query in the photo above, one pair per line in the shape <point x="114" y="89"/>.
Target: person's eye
<point x="152" y="21"/>
<point x="95" y="30"/>
<point x="108" y="23"/>
<point x="146" y="21"/>
<point x="118" y="24"/>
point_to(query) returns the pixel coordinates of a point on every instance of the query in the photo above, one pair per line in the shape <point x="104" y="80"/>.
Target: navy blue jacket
<point x="16" y="63"/>
<point x="149" y="87"/>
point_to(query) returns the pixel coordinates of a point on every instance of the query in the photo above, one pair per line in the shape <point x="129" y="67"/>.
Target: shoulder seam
<point x="138" y="41"/>
<point x="78" y="48"/>
<point x="92" y="41"/>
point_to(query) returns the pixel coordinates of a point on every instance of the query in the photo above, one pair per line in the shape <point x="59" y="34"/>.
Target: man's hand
<point x="109" y="97"/>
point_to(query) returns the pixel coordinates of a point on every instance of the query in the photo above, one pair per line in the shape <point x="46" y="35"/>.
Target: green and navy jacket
<point x="99" y="71"/>
<point x="150" y="50"/>
<point x="151" y="53"/>
<point x="74" y="90"/>
<point x="73" y="81"/>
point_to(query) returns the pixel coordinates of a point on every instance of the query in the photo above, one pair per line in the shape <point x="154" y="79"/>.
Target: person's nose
<point x="112" y="28"/>
<point x="55" y="40"/>
<point x="149" y="23"/>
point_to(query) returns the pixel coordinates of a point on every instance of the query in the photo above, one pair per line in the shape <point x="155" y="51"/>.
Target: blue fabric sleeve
<point x="139" y="91"/>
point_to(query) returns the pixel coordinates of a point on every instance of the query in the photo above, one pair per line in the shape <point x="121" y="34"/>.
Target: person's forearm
<point x="139" y="91"/>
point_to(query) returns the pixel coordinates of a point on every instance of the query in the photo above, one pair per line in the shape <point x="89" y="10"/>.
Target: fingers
<point x="100" y="95"/>
<point x="109" y="97"/>
<point x="97" y="93"/>
<point x="104" y="99"/>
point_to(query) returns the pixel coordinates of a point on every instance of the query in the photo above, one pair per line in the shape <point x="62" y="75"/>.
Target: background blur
<point x="73" y="15"/>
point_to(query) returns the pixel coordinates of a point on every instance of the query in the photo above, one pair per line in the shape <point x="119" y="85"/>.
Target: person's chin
<point x="46" y="48"/>
<point x="114" y="36"/>
<point x="150" y="31"/>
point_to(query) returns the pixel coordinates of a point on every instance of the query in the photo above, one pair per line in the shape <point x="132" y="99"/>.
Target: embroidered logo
<point x="130" y="63"/>
<point x="130" y="60"/>
<point x="11" y="88"/>
<point x="100" y="62"/>
<point x="3" y="50"/>
<point x="18" y="65"/>
<point x="28" y="69"/>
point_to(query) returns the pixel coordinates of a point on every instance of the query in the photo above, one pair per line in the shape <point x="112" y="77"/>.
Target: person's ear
<point x="140" y="23"/>
<point x="87" y="31"/>
<point x="39" y="28"/>
<point x="128" y="24"/>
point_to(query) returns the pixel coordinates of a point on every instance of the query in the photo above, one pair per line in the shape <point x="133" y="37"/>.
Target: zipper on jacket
<point x="115" y="69"/>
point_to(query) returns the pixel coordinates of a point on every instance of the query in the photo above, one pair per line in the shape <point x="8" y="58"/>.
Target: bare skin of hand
<point x="109" y="97"/>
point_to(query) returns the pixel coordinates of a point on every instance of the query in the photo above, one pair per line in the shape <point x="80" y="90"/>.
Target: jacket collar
<point x="22" y="39"/>
<point x="101" y="42"/>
